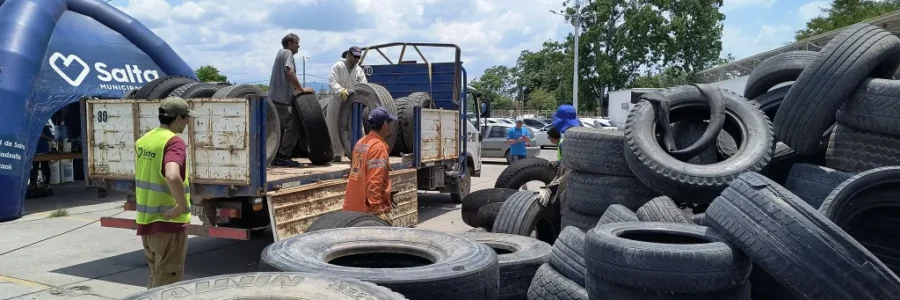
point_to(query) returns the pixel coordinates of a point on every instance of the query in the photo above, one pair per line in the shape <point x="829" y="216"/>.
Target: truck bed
<point x="285" y="177"/>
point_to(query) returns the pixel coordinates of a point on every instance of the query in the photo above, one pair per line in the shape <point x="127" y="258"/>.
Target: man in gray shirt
<point x="283" y="86"/>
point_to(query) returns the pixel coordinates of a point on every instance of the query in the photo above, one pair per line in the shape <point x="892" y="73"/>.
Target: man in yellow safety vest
<point x="163" y="193"/>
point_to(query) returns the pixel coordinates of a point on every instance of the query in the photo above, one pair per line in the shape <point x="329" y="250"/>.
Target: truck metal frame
<point x="234" y="193"/>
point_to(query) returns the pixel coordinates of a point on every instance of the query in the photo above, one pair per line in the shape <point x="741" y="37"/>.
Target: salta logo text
<point x="123" y="78"/>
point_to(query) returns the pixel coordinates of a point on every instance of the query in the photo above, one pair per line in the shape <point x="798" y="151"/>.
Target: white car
<point x="541" y="139"/>
<point x="493" y="144"/>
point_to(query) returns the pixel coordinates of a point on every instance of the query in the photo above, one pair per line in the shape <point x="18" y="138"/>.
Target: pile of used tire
<point x="703" y="196"/>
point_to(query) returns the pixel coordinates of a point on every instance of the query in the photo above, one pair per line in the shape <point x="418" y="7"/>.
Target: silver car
<point x="493" y="144"/>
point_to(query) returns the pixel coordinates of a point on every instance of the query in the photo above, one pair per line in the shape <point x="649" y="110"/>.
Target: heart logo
<point x="66" y="62"/>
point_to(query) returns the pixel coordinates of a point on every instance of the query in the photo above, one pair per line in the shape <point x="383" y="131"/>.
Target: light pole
<point x="304" y="70"/>
<point x="577" y="17"/>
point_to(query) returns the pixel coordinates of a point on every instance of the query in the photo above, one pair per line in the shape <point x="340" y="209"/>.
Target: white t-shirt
<point x="343" y="78"/>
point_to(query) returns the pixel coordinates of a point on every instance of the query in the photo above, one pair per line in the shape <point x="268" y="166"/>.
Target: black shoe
<point x="281" y="162"/>
<point x="336" y="159"/>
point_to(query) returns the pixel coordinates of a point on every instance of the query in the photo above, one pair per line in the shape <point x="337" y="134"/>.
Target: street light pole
<point x="304" y="70"/>
<point x="575" y="76"/>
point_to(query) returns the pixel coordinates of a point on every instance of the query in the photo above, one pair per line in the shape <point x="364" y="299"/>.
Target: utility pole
<point x="304" y="70"/>
<point x="576" y="17"/>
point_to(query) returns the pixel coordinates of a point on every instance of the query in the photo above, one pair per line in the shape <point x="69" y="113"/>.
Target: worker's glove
<point x="545" y="195"/>
<point x="345" y="94"/>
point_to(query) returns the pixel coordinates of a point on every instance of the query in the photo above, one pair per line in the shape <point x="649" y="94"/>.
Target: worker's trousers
<point x="290" y="129"/>
<point x="166" y="253"/>
<point x="332" y="115"/>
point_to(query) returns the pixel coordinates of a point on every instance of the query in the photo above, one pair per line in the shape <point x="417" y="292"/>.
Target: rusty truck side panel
<point x="440" y="135"/>
<point x="292" y="210"/>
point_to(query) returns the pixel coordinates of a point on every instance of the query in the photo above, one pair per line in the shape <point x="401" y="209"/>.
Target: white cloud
<point x="731" y="5"/>
<point x="743" y="44"/>
<point x="812" y="10"/>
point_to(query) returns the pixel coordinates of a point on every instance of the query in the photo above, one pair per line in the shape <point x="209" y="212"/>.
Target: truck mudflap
<point x="292" y="210"/>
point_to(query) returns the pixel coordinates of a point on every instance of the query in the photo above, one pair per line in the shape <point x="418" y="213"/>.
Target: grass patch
<point x="61" y="212"/>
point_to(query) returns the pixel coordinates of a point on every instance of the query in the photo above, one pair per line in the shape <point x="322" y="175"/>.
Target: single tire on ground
<point x="548" y="284"/>
<point x="873" y="107"/>
<point x="781" y="68"/>
<point x="567" y="257"/>
<point x="592" y="194"/>
<point x="345" y="219"/>
<point x="474" y="201"/>
<point x="609" y="290"/>
<point x="144" y="91"/>
<point x="582" y="221"/>
<point x="522" y="214"/>
<point x="617" y="213"/>
<point x="196" y="90"/>
<point x="265" y="285"/>
<point x="810" y="106"/>
<point x="413" y="262"/>
<point x="371" y="95"/>
<point x="518" y="258"/>
<point x="163" y="89"/>
<point x="866" y="207"/>
<point x="687" y="182"/>
<point x="405" y="114"/>
<point x="312" y="120"/>
<point x="796" y="245"/>
<point x="649" y="255"/>
<point x="487" y="215"/>
<point x="526" y="170"/>
<point x="595" y="150"/>
<point x="661" y="209"/>
<point x="813" y="183"/>
<point x="856" y="150"/>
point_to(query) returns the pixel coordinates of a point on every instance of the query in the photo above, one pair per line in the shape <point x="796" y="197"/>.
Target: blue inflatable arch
<point x="26" y="101"/>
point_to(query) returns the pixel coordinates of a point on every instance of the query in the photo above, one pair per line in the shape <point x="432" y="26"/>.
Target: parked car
<point x="534" y="123"/>
<point x="494" y="144"/>
<point x="541" y="139"/>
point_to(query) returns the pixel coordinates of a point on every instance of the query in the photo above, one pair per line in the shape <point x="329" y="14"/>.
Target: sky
<point x="241" y="37"/>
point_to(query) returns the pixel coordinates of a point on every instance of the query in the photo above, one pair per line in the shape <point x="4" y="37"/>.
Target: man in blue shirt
<point x="516" y="138"/>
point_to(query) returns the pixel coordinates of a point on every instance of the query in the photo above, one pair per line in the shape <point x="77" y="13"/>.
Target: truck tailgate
<point x="440" y="135"/>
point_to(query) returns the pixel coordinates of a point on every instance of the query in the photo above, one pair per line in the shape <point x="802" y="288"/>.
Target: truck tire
<point x="238" y="91"/>
<point x="771" y="101"/>
<point x="609" y="290"/>
<point x="651" y="256"/>
<point x="551" y="285"/>
<point x="813" y="183"/>
<point x="687" y="182"/>
<point x="144" y="91"/>
<point x="685" y="133"/>
<point x="407" y="122"/>
<point x="404" y="117"/>
<point x="487" y="215"/>
<point x="412" y="262"/>
<point x="522" y="214"/>
<point x="269" y="286"/>
<point x="855" y="150"/>
<point x="345" y="219"/>
<point x="131" y="94"/>
<point x="596" y="151"/>
<point x="617" y="213"/>
<point x="163" y="89"/>
<point x="313" y="126"/>
<point x="195" y="90"/>
<point x="873" y="107"/>
<point x="567" y="257"/>
<point x="865" y="206"/>
<point x="371" y="95"/>
<point x="661" y="209"/>
<point x="810" y="106"/>
<point x="582" y="221"/>
<point x="781" y="68"/>
<point x="797" y="245"/>
<point x="474" y="201"/>
<point x="522" y="171"/>
<point x="518" y="258"/>
<point x="592" y="194"/>
<point x="462" y="187"/>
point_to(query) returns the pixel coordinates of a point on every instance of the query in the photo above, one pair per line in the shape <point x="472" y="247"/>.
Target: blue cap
<point x="379" y="115"/>
<point x="355" y="51"/>
<point x="564" y="118"/>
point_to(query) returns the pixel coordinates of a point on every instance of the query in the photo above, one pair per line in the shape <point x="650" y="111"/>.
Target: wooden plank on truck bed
<point x="439" y="135"/>
<point x="287" y="177"/>
<point x="292" y="210"/>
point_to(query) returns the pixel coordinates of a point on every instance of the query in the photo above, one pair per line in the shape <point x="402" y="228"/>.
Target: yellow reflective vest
<point x="151" y="191"/>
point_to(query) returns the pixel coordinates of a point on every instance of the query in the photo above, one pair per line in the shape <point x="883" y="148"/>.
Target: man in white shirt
<point x="344" y="75"/>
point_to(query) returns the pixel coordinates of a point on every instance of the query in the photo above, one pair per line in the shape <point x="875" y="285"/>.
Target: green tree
<point x="843" y="13"/>
<point x="541" y="99"/>
<point x="210" y="74"/>
<point x="263" y="87"/>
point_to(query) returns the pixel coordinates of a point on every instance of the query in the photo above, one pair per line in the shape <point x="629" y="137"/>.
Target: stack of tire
<point x="372" y="95"/>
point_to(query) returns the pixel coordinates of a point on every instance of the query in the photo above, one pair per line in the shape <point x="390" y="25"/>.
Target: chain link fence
<point x="495" y="113"/>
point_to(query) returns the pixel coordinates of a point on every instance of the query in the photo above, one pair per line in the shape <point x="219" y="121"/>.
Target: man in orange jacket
<point x="369" y="184"/>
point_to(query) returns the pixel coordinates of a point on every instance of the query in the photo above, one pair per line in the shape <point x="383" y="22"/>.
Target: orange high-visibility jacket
<point x="369" y="184"/>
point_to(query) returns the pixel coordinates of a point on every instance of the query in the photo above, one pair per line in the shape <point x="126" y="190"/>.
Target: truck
<point x="235" y="194"/>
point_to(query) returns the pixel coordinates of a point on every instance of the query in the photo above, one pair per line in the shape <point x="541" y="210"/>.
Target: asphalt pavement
<point x="72" y="257"/>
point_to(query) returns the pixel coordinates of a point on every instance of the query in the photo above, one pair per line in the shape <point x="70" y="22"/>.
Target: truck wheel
<point x="518" y="258"/>
<point x="269" y="286"/>
<point x="413" y="262"/>
<point x="800" y="247"/>
<point x="519" y="174"/>
<point x="314" y="129"/>
<point x="405" y="117"/>
<point x="461" y="188"/>
<point x="371" y="95"/>
<point x="522" y="214"/>
<point x="345" y="219"/>
<point x="549" y="284"/>
<point x="473" y="202"/>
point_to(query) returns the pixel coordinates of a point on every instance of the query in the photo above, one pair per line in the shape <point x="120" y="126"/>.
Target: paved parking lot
<point x="72" y="257"/>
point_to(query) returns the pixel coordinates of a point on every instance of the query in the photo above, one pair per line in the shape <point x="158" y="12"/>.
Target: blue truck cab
<point x="235" y="194"/>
